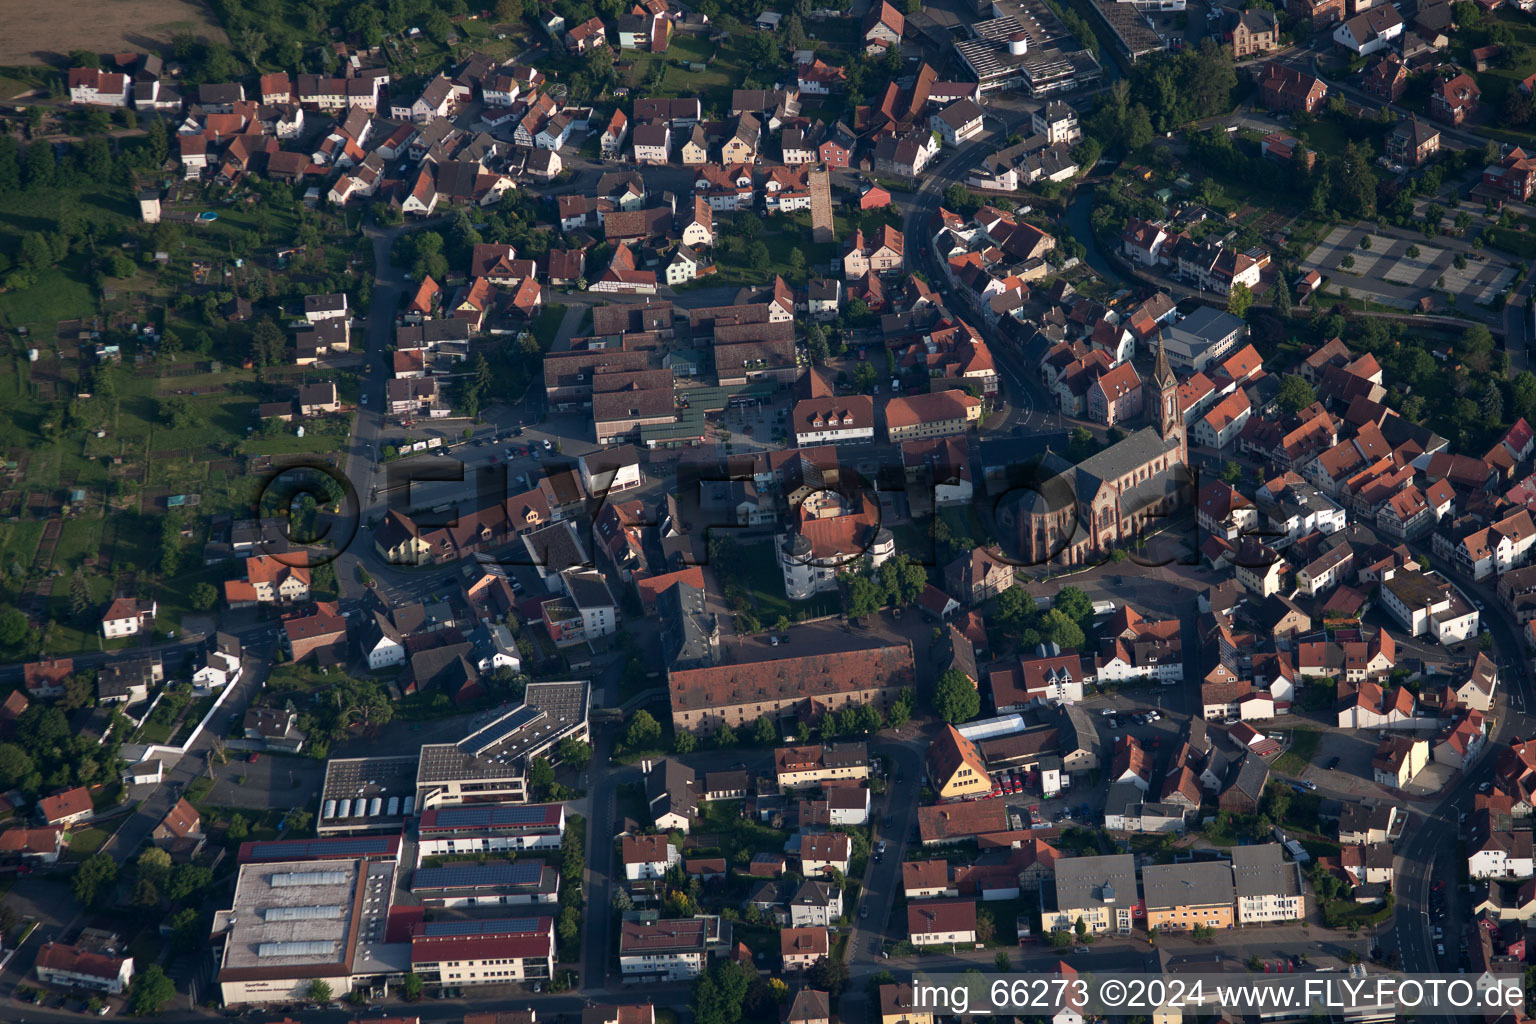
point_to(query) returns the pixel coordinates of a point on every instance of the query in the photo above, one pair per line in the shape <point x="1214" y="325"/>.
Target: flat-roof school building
<point x="491" y="764"/>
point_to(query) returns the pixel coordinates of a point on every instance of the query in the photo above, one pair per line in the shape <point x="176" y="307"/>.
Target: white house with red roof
<point x="98" y="88"/>
<point x="127" y="616"/>
<point x="66" y="808"/>
<point x="883" y="27"/>
<point x="1143" y="241"/>
<point x="73" y="967"/>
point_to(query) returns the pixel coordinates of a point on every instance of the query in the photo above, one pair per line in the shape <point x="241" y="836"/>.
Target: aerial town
<point x="680" y="512"/>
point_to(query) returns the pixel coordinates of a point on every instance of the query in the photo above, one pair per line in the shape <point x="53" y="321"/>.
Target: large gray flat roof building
<point x="292" y="922"/>
<point x="491" y="763"/>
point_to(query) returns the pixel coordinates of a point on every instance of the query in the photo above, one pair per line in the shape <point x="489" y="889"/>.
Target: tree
<point x="986" y="927"/>
<point x="1075" y="605"/>
<point x="36" y="253"/>
<point x="568" y="927"/>
<point x="1232" y="472"/>
<point x="1347" y="261"/>
<point x="1280" y="298"/>
<point x="186" y="881"/>
<point x="238" y="829"/>
<point x="954" y="698"/>
<point x="644" y="731"/>
<point x="1138" y="128"/>
<point x="151" y="990"/>
<point x="187" y="929"/>
<point x="684" y="742"/>
<point x="154" y="864"/>
<point x="267" y="343"/>
<point x="1412" y="252"/>
<point x="575" y="753"/>
<point x="764" y="732"/>
<point x="829" y="974"/>
<point x="1295" y="394"/>
<point x="145" y="894"/>
<point x="1492" y="404"/>
<point x="816" y="343"/>
<point x="796" y="264"/>
<point x="902" y="579"/>
<point x="1354" y="184"/>
<point x="79" y="692"/>
<point x="541" y="777"/>
<point x="318" y="991"/>
<point x="1003" y="963"/>
<point x="1057" y="628"/>
<point x="40" y="166"/>
<point x="961" y="200"/>
<point x="1239" y="299"/>
<point x="205" y="596"/>
<point x="410" y="988"/>
<point x="15" y="765"/>
<point x="862" y="597"/>
<point x="93" y="878"/>
<point x="1524" y="391"/>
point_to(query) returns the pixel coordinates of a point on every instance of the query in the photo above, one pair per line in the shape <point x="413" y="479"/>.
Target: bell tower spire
<point x="1170" y="418"/>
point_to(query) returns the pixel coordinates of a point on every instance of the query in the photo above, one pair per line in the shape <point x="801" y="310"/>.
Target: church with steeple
<point x="1075" y="513"/>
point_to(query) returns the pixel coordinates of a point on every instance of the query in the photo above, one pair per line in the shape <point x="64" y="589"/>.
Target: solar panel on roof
<point x="298" y="849"/>
<point x="477" y="743"/>
<point x="481" y="816"/>
<point x="464" y="876"/>
<point x="505" y="926"/>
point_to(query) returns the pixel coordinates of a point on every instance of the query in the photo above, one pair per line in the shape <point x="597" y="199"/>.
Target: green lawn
<point x="548" y="325"/>
<point x="723" y="818"/>
<point x="86" y="841"/>
<point x="761" y="575"/>
<point x="64" y="292"/>
<point x="782" y="235"/>
<point x="1517" y="243"/>
<point x="1330" y="135"/>
<point x="1302" y="749"/>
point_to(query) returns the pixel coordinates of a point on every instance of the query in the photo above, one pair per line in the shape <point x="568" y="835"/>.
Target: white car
<point x="1107" y="712"/>
<point x="547" y="445"/>
<point x="364" y="399"/>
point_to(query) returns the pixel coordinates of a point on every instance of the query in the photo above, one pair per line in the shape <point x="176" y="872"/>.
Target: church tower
<point x="1170" y="419"/>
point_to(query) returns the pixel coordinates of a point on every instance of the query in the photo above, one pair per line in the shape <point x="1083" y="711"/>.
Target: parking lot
<point x="1401" y="267"/>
